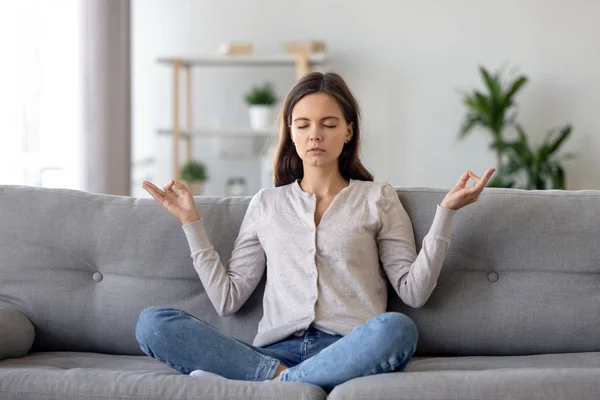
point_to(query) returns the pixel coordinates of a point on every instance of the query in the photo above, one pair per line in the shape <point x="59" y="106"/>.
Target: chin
<point x="318" y="163"/>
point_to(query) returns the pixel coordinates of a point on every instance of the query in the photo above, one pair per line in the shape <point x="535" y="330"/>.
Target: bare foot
<point x="280" y="369"/>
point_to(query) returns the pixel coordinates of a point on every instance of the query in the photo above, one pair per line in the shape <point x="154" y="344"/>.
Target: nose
<point x="316" y="135"/>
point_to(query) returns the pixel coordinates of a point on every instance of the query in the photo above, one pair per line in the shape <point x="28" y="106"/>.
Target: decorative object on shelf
<point x="261" y="101"/>
<point x="525" y="168"/>
<point x="306" y="46"/>
<point x="193" y="174"/>
<point x="236" y="186"/>
<point x="235" y="48"/>
<point x="303" y="51"/>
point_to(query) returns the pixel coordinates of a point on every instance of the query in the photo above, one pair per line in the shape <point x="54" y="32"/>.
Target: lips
<point x="316" y="150"/>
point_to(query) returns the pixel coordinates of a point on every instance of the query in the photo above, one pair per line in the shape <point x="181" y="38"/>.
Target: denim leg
<point x="185" y="343"/>
<point x="288" y="351"/>
<point x="384" y="344"/>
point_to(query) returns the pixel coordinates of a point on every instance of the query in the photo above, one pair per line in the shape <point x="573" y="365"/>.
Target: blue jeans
<point x="384" y="344"/>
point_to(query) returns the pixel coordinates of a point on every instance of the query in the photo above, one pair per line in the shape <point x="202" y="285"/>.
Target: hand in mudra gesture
<point x="460" y="195"/>
<point x="181" y="205"/>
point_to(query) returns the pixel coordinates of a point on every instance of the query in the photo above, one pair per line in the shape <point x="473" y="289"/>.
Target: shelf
<point x="303" y="63"/>
<point x="239" y="132"/>
<point x="243" y="60"/>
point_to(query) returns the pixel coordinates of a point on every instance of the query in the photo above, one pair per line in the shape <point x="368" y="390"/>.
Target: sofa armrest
<point x="16" y="334"/>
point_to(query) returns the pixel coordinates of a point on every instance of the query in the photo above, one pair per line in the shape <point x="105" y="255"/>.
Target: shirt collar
<point x="296" y="187"/>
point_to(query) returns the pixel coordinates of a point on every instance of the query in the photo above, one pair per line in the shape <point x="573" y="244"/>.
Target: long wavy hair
<point x="287" y="163"/>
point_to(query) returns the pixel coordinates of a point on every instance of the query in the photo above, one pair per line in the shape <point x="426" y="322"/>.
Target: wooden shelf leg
<point x="303" y="65"/>
<point x="188" y="139"/>
<point x="176" y="128"/>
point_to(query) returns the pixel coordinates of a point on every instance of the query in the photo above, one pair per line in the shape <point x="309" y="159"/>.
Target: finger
<point x="486" y="177"/>
<point x="474" y="177"/>
<point x="153" y="190"/>
<point x="156" y="188"/>
<point x="181" y="186"/>
<point x="168" y="187"/>
<point x="463" y="179"/>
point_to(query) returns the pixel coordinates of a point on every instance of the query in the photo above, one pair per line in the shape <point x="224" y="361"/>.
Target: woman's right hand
<point x="182" y="206"/>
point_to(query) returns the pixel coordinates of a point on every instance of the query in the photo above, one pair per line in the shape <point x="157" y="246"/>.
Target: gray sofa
<point x="515" y="315"/>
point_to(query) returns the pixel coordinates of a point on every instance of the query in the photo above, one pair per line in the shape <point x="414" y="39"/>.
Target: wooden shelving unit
<point x="303" y="62"/>
<point x="233" y="132"/>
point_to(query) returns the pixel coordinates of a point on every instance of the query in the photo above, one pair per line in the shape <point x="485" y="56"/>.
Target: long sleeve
<point x="229" y="287"/>
<point x="413" y="276"/>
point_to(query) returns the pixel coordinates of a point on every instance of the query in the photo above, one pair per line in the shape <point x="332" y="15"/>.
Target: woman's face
<point x="319" y="129"/>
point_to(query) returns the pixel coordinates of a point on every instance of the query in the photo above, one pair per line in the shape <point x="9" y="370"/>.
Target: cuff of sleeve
<point x="442" y="222"/>
<point x="196" y="235"/>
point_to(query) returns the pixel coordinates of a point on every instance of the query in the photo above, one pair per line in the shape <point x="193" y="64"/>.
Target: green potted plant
<point x="536" y="168"/>
<point x="193" y="174"/>
<point x="495" y="111"/>
<point x="261" y="101"/>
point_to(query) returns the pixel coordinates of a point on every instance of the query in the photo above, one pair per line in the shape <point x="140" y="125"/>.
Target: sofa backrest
<point x="520" y="277"/>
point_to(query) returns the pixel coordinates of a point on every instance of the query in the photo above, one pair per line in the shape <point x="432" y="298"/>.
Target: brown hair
<point x="287" y="164"/>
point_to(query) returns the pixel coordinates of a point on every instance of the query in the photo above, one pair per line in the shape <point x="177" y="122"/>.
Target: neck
<point x="322" y="181"/>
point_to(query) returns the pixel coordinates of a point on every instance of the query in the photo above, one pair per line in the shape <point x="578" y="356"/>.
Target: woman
<point x="324" y="230"/>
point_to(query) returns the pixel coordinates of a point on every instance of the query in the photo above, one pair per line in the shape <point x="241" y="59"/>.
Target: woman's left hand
<point x="460" y="195"/>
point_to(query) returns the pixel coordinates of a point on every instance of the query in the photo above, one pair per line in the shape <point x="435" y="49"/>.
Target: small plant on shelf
<point x="262" y="100"/>
<point x="264" y="95"/>
<point x="193" y="173"/>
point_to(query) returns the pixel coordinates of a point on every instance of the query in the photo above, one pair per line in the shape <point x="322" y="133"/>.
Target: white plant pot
<point x="196" y="187"/>
<point x="262" y="118"/>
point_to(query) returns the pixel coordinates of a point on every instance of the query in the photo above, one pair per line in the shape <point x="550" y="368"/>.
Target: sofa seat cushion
<point x="92" y="376"/>
<point x="535" y="377"/>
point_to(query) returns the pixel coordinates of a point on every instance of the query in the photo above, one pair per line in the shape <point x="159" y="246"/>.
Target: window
<point x="40" y="81"/>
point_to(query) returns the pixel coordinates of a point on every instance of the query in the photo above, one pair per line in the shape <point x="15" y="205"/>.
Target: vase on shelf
<point x="262" y="117"/>
<point x="196" y="187"/>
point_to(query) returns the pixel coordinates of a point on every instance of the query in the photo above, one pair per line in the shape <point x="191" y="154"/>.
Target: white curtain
<point x="65" y="94"/>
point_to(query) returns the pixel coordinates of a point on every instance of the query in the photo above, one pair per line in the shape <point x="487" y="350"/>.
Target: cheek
<point x="300" y="136"/>
<point x="340" y="136"/>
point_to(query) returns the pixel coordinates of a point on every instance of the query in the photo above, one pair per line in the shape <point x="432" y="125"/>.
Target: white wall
<point x="406" y="62"/>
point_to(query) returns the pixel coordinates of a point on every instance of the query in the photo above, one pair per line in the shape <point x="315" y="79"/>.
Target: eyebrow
<point x="322" y="119"/>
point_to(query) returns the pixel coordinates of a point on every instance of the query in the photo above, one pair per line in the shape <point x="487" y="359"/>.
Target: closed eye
<point x="326" y="126"/>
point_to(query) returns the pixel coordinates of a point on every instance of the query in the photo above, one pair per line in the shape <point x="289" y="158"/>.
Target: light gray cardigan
<point x="330" y="275"/>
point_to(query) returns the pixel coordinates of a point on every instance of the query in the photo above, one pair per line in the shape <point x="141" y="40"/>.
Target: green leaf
<point x="564" y="134"/>
<point x="549" y="146"/>
<point x="261" y="95"/>
<point x="194" y="171"/>
<point x="522" y="135"/>
<point x="471" y="102"/>
<point x="513" y="90"/>
<point x="500" y="181"/>
<point x="558" y="178"/>
<point x="495" y="103"/>
<point x="511" y="167"/>
<point x="478" y="108"/>
<point x="492" y="83"/>
<point x="498" y="145"/>
<point x="469" y="123"/>
<point x="482" y="102"/>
